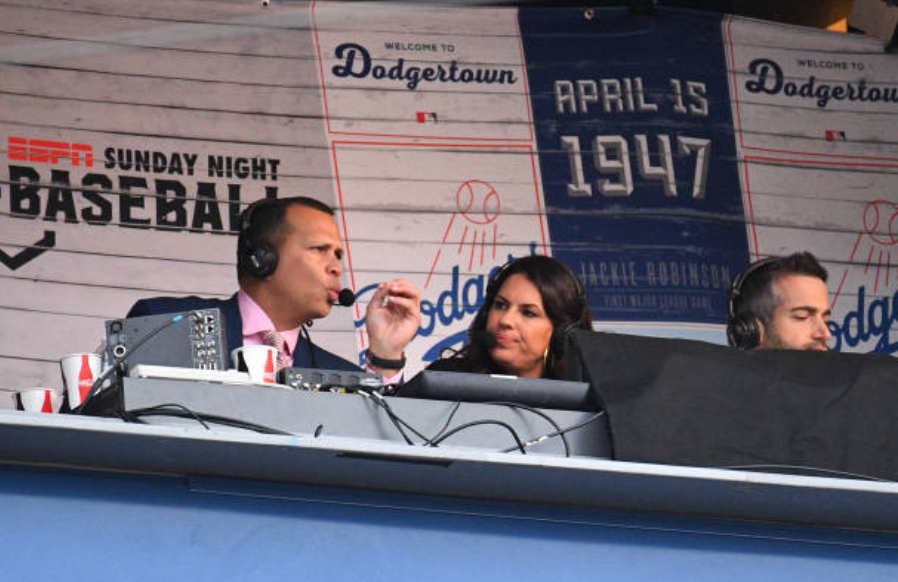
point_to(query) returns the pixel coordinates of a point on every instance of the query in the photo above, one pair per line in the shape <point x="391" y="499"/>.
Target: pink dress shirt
<point x="256" y="321"/>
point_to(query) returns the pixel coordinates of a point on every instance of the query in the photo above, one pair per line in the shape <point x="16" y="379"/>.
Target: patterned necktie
<point x="274" y="339"/>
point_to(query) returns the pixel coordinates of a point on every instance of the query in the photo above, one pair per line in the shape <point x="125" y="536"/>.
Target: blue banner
<point x="638" y="158"/>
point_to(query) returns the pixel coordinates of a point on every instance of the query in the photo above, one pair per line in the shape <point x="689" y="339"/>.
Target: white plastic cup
<point x="78" y="374"/>
<point x="260" y="362"/>
<point x="39" y="400"/>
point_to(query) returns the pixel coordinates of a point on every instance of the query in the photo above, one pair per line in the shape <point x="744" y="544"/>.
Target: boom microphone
<point x="346" y="297"/>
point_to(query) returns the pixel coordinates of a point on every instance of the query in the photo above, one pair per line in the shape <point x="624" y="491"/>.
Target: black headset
<point x="256" y="257"/>
<point x="743" y="331"/>
<point x="559" y="336"/>
<point x="556" y="344"/>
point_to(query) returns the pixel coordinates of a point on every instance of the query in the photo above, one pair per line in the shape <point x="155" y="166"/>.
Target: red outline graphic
<point x="893" y="220"/>
<point x="337" y="143"/>
<point x="487" y="219"/>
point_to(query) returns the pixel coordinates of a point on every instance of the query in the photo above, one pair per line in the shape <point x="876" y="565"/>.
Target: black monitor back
<point x="470" y="387"/>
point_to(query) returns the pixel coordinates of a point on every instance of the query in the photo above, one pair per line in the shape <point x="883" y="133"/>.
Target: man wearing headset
<point x="289" y="265"/>
<point x="781" y="303"/>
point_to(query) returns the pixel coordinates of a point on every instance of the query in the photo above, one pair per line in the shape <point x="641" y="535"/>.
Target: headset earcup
<point x="257" y="260"/>
<point x="743" y="333"/>
<point x="261" y="260"/>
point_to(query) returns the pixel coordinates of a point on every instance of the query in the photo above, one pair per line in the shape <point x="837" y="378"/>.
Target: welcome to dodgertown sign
<point x="357" y="63"/>
<point x="772" y="81"/>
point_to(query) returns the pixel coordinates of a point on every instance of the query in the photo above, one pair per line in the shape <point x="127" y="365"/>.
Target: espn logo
<point x="50" y="152"/>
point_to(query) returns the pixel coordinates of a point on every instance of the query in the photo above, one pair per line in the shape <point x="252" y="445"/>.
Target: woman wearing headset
<point x="519" y="330"/>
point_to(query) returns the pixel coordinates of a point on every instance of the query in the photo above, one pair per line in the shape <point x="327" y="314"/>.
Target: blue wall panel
<point x="66" y="525"/>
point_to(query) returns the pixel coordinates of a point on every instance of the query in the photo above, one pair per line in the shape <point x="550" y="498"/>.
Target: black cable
<point x="455" y="407"/>
<point x="394" y="418"/>
<point x="397" y="422"/>
<point x="127" y="417"/>
<point x="169" y="410"/>
<point x="806" y="469"/>
<point x="479" y="422"/>
<point x="538" y="412"/>
<point x="169" y="405"/>
<point x="580" y="424"/>
<point x="380" y="399"/>
<point x="95" y="387"/>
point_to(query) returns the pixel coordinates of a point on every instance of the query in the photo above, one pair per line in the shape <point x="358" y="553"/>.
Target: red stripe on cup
<point x="85" y="377"/>
<point x="269" y="368"/>
<point x="48" y="401"/>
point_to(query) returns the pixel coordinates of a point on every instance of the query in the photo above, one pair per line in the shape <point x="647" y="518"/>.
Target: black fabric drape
<point x="693" y="403"/>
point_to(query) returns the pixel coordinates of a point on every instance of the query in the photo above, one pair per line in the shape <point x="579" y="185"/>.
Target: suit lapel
<point x="302" y="355"/>
<point x="233" y="323"/>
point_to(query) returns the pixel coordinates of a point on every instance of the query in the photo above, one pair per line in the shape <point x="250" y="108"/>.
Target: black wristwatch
<point x="385" y="363"/>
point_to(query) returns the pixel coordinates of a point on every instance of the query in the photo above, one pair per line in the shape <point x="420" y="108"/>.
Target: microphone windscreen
<point x="484" y="338"/>
<point x="346" y="297"/>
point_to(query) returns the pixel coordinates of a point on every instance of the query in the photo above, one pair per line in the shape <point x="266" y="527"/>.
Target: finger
<point x="379" y="294"/>
<point x="403" y="288"/>
<point x="403" y="308"/>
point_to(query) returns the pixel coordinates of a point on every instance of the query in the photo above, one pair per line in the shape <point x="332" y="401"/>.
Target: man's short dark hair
<point x="263" y="221"/>
<point x="752" y="295"/>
